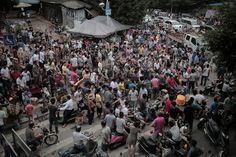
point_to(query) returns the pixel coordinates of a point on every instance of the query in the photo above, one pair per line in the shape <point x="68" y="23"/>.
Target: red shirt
<point x="29" y="109"/>
<point x="167" y="106"/>
<point x="15" y="75"/>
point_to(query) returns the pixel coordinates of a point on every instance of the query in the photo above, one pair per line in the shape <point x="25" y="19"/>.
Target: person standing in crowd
<point x="53" y="111"/>
<point x="205" y="75"/>
<point x="29" y="111"/>
<point x="68" y="109"/>
<point x="132" y="139"/>
<point x="194" y="151"/>
<point x="189" y="113"/>
<point x="106" y="136"/>
<point x="3" y="116"/>
<point x="110" y="120"/>
<point x="158" y="124"/>
<point x="133" y="97"/>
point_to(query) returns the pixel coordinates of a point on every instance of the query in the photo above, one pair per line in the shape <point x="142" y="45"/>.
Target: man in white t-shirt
<point x="21" y="82"/>
<point x="205" y="75"/>
<point x="74" y="61"/>
<point x="133" y="96"/>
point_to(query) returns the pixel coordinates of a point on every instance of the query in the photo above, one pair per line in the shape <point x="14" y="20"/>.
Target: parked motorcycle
<point x="117" y="140"/>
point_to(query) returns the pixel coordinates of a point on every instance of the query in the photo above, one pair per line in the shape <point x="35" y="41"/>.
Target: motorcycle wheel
<point x="51" y="139"/>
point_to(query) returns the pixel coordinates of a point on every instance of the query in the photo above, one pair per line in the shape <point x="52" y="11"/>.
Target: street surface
<point x="65" y="134"/>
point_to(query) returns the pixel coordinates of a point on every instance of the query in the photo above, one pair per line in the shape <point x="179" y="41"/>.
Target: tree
<point x="222" y="41"/>
<point x="128" y="11"/>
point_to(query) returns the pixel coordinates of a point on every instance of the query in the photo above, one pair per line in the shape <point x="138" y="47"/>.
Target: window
<point x="193" y="40"/>
<point x="187" y="37"/>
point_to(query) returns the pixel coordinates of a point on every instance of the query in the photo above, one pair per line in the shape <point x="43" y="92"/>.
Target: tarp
<point x="99" y="27"/>
<point x="29" y="1"/>
<point x="210" y="13"/>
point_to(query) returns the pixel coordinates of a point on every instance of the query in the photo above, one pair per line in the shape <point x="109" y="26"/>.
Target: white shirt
<point x="69" y="105"/>
<point x="79" y="138"/>
<point x="175" y="133"/>
<point x="5" y="73"/>
<point x="36" y="57"/>
<point x="21" y="82"/>
<point x="41" y="56"/>
<point x="51" y="54"/>
<point x="133" y="95"/>
<point x="78" y="96"/>
<point x="125" y="110"/>
<point x="93" y="77"/>
<point x="120" y="125"/>
<point x="26" y="75"/>
<point x="113" y="84"/>
<point x="142" y="91"/>
<point x="199" y="98"/>
<point x="74" y="62"/>
<point x="205" y="71"/>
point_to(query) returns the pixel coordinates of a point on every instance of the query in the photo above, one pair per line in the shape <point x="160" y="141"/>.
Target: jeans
<point x="204" y="80"/>
<point x="67" y="114"/>
<point x="55" y="123"/>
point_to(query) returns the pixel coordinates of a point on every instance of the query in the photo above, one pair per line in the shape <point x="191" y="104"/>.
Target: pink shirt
<point x="73" y="77"/>
<point x="155" y="83"/>
<point x="158" y="125"/>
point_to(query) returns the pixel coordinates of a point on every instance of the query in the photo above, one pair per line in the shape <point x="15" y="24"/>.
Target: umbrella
<point x="22" y="5"/>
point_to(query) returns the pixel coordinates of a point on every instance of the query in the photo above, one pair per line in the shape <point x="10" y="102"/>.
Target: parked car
<point x="190" y="23"/>
<point x="161" y="18"/>
<point x="168" y="24"/>
<point x="193" y="41"/>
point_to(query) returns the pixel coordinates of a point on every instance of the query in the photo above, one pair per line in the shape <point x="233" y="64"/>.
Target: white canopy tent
<point x="98" y="27"/>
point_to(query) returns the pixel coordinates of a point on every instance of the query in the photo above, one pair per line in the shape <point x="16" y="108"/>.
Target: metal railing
<point x="20" y="143"/>
<point x="8" y="148"/>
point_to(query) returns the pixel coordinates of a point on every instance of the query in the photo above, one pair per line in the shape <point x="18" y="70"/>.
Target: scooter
<point x="117" y="140"/>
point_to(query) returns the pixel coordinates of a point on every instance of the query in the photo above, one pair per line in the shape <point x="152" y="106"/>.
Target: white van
<point x="192" y="41"/>
<point x="190" y="23"/>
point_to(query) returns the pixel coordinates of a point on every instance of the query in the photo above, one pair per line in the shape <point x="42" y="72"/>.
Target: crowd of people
<point x="109" y="77"/>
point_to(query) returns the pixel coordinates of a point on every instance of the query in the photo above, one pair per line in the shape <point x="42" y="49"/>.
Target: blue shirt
<point x="214" y="106"/>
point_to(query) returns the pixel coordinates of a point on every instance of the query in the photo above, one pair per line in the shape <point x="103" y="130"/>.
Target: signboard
<point x="108" y="12"/>
<point x="9" y="40"/>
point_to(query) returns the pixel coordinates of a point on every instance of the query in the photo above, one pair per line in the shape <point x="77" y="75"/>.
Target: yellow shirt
<point x="98" y="100"/>
<point x="121" y="86"/>
<point x="140" y="50"/>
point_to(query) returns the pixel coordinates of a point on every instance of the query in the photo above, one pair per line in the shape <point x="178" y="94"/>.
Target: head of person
<point x="121" y="115"/>
<point x="136" y="124"/>
<point x="172" y="123"/>
<point x="31" y="124"/>
<point x="78" y="128"/>
<point x="193" y="143"/>
<point x="53" y="100"/>
<point x="68" y="97"/>
<point x="103" y="124"/>
<point x="144" y="96"/>
<point x="194" y="92"/>
<point x="160" y="114"/>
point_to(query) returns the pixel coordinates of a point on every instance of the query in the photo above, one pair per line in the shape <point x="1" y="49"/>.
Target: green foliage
<point x="222" y="41"/>
<point x="129" y="11"/>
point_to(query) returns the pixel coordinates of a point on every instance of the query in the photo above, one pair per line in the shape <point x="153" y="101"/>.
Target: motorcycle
<point x="117" y="140"/>
<point x="71" y="118"/>
<point x="91" y="147"/>
<point x="45" y="137"/>
<point x="152" y="146"/>
<point x="210" y="89"/>
<point x="218" y="136"/>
